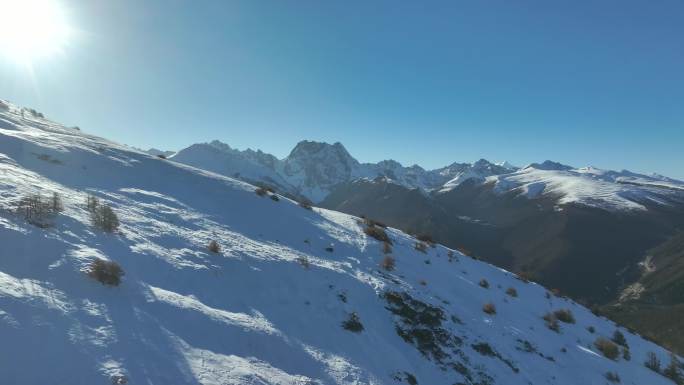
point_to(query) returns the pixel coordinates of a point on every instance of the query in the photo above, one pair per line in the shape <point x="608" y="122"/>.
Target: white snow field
<point x="590" y="186"/>
<point x="267" y="309"/>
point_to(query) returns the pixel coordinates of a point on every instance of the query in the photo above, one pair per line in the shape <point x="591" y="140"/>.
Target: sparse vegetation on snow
<point x="271" y="308"/>
<point x="607" y="348"/>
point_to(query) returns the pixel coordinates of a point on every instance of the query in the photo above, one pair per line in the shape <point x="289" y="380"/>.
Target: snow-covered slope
<point x="314" y="169"/>
<point x="590" y="186"/>
<point x="268" y="308"/>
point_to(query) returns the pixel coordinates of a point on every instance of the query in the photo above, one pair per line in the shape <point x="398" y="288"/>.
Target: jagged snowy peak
<point x="307" y="151"/>
<point x="477" y="171"/>
<point x="314" y="169"/>
<point x="507" y="165"/>
<point x="591" y="186"/>
<point x="269" y="307"/>
<point x="412" y="177"/>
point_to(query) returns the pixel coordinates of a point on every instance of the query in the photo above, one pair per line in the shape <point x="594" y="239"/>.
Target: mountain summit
<point x="314" y="168"/>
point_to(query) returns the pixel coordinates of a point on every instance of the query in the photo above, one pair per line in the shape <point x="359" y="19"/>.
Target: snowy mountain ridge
<point x="294" y="296"/>
<point x="590" y="186"/>
<point x="314" y="169"/>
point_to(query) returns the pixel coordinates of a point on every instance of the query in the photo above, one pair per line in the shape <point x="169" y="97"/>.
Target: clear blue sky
<point x="427" y="82"/>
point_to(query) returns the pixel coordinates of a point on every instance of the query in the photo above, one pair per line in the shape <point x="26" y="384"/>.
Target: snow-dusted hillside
<point x="314" y="169"/>
<point x="267" y="309"/>
<point x="590" y="186"/>
<point x="478" y="172"/>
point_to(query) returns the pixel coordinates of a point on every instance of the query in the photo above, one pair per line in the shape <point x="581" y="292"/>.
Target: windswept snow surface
<point x="256" y="313"/>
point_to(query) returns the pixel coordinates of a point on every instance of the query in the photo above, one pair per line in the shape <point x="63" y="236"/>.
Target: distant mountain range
<point x="585" y="231"/>
<point x="313" y="170"/>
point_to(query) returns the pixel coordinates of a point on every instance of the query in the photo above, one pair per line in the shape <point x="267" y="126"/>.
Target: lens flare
<point x="32" y="29"/>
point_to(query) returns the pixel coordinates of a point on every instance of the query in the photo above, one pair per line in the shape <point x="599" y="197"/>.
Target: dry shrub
<point x="106" y="272"/>
<point x="40" y="211"/>
<point x="673" y="370"/>
<point x="378" y="233"/>
<point x="92" y="202"/>
<point x="386" y="247"/>
<point x="214" y="247"/>
<point x="261" y="191"/>
<point x="612" y="377"/>
<point x="607" y="347"/>
<point x="565" y="315"/>
<point x="484" y="283"/>
<point x="652" y="362"/>
<point x="512" y="292"/>
<point x="420" y="246"/>
<point x="56" y="204"/>
<point x="353" y="323"/>
<point x="388" y="263"/>
<point x="619" y="338"/>
<point x="304" y="262"/>
<point x="104" y="218"/>
<point x="551" y="322"/>
<point x="489" y="308"/>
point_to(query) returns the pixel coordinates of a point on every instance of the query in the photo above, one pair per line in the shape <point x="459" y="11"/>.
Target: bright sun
<point x="30" y="29"/>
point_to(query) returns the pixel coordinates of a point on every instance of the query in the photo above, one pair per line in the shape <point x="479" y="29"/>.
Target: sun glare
<point x="31" y="29"/>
